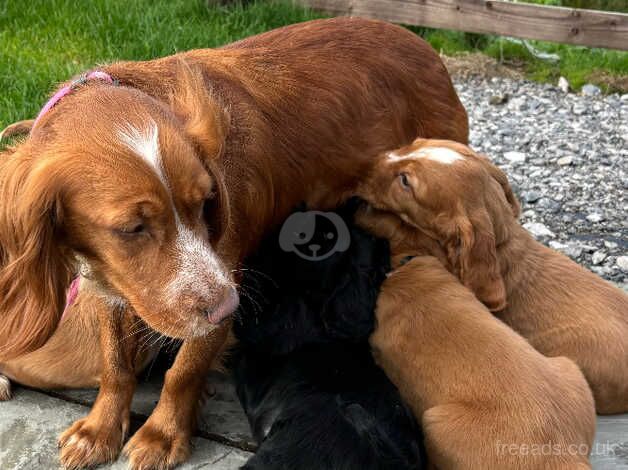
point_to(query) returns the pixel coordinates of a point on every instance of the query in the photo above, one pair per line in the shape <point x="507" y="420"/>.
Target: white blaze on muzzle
<point x="199" y="272"/>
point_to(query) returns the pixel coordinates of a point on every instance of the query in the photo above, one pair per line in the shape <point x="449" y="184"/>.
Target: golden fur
<point x="485" y="397"/>
<point x="468" y="208"/>
<point x="245" y="133"/>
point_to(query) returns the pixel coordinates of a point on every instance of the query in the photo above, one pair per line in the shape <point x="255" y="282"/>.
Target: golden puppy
<point x="465" y="204"/>
<point x="485" y="397"/>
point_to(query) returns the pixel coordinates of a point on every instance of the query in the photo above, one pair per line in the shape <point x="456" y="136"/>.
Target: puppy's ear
<point x="17" y="128"/>
<point x="499" y="176"/>
<point x="35" y="269"/>
<point x="474" y="256"/>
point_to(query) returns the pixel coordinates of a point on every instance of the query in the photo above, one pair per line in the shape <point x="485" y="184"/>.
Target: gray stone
<point x="531" y="196"/>
<point x="610" y="448"/>
<point x="595" y="217"/>
<point x="538" y="230"/>
<point x="515" y="157"/>
<point x="549" y="205"/>
<point x="590" y="90"/>
<point x="610" y="245"/>
<point x="573" y="250"/>
<point x="622" y="262"/>
<point x="557" y="245"/>
<point x="563" y="84"/>
<point x="31" y="422"/>
<point x="221" y="415"/>
<point x="498" y="99"/>
<point x="564" y="161"/>
<point x="598" y="257"/>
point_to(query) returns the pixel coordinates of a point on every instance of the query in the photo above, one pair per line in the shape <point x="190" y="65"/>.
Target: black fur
<point x="303" y="368"/>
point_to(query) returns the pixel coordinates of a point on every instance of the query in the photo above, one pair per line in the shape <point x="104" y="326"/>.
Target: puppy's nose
<point x="314" y="247"/>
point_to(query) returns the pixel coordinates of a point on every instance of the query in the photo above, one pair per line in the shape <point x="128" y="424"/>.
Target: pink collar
<point x="66" y="90"/>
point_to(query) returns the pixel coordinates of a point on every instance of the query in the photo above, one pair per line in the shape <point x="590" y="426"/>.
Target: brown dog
<point x="154" y="190"/>
<point x="486" y="398"/>
<point x="465" y="204"/>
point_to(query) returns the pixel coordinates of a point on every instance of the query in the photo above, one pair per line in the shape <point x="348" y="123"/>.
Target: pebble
<point x="515" y="157"/>
<point x="573" y="251"/>
<point x="564" y="161"/>
<point x="498" y="99"/>
<point x="622" y="262"/>
<point x="598" y="257"/>
<point x="553" y="244"/>
<point x="595" y="217"/>
<point x="531" y="196"/>
<point x="563" y="84"/>
<point x="590" y="90"/>
<point x="610" y="245"/>
<point x="538" y="230"/>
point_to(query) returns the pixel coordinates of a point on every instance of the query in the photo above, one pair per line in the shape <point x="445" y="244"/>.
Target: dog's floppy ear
<point x="474" y="256"/>
<point x="204" y="119"/>
<point x="217" y="210"/>
<point x="17" y="128"/>
<point x="206" y="123"/>
<point x="35" y="269"/>
<point x="499" y="176"/>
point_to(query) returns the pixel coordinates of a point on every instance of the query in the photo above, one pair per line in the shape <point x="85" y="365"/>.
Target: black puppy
<point x="303" y="368"/>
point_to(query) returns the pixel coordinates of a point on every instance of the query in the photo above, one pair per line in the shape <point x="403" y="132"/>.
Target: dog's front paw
<point x="91" y="441"/>
<point x="155" y="447"/>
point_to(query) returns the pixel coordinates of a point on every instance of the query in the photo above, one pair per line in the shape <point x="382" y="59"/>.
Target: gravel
<point x="567" y="158"/>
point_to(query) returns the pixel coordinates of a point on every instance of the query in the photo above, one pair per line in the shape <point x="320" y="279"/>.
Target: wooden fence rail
<point x="568" y="25"/>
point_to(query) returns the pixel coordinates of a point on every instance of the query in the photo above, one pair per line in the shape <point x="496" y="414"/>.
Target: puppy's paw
<point x="90" y="442"/>
<point x="154" y="447"/>
<point x="5" y="388"/>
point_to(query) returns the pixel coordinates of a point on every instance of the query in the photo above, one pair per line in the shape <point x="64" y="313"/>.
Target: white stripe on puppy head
<point x="145" y="143"/>
<point x="442" y="155"/>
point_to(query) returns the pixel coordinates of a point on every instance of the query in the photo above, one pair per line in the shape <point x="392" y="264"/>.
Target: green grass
<point x="43" y="42"/>
<point x="578" y="64"/>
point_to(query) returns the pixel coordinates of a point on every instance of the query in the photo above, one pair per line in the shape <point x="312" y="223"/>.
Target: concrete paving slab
<point x="610" y="451"/>
<point x="222" y="416"/>
<point x="32" y="421"/>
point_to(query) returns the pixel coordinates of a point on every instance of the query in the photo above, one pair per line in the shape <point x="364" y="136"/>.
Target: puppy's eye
<point x="404" y="181"/>
<point x="329" y="236"/>
<point x="301" y="235"/>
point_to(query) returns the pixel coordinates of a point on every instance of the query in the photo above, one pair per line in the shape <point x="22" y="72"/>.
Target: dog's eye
<point x="136" y="229"/>
<point x="301" y="235"/>
<point x="329" y="236"/>
<point x="403" y="179"/>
